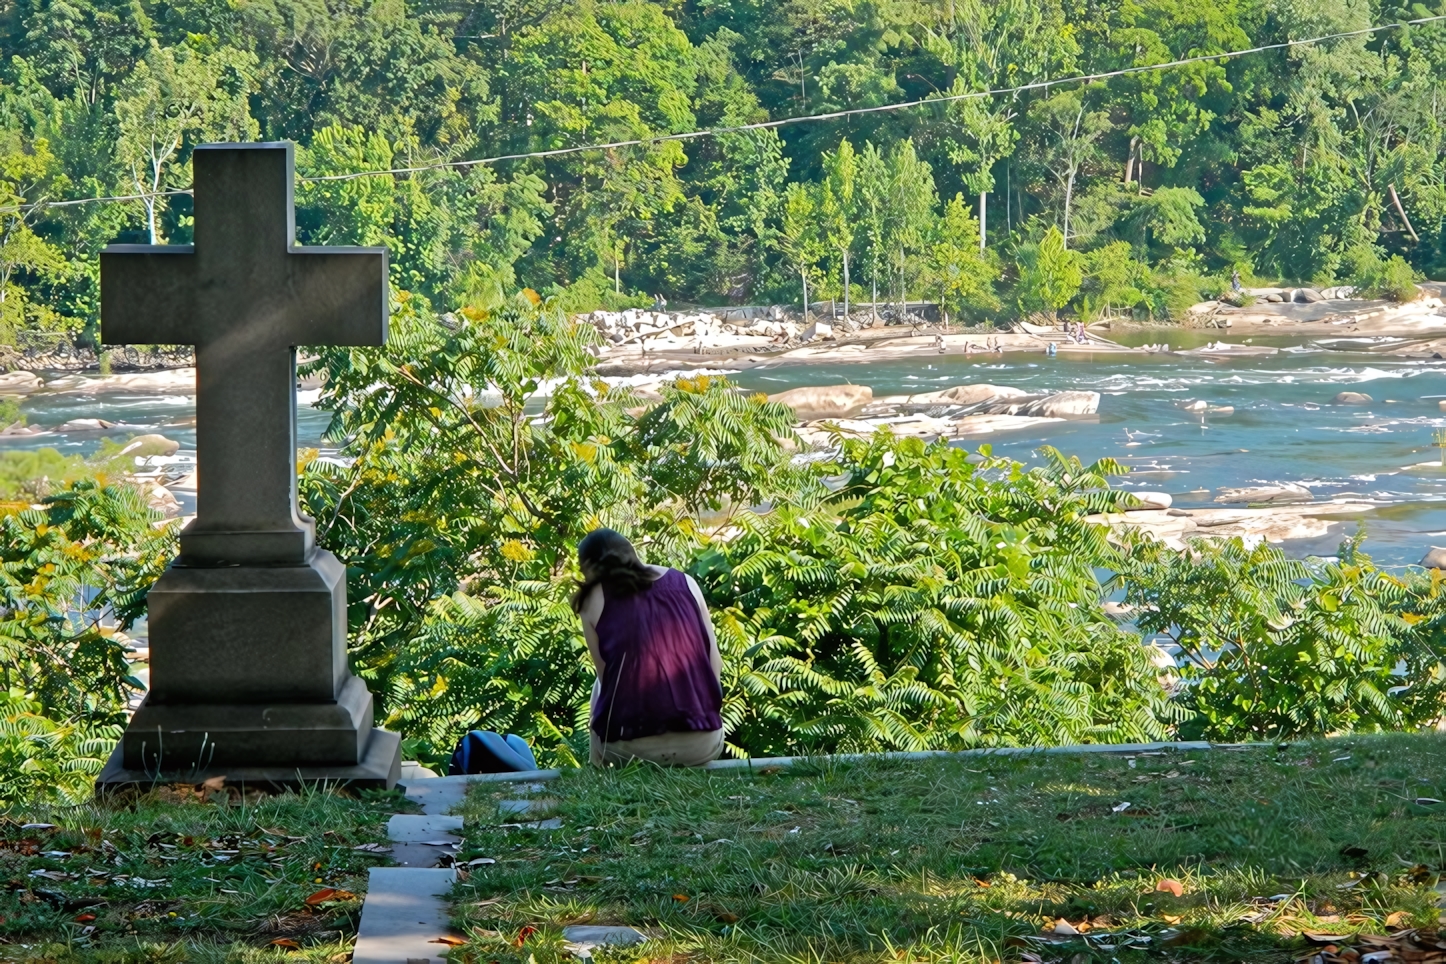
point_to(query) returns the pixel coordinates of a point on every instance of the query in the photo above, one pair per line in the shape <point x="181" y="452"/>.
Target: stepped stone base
<point x="379" y="768"/>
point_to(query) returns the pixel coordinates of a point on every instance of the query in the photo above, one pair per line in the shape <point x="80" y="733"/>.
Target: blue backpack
<point x="482" y="751"/>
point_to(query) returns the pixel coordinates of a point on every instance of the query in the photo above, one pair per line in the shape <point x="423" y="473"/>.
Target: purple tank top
<point x="657" y="676"/>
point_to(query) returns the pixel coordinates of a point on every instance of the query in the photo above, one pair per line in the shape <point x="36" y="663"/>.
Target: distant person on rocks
<point x="1235" y="282"/>
<point x="659" y="302"/>
<point x="659" y="694"/>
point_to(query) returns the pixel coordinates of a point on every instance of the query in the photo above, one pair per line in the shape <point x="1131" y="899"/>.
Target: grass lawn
<point x="170" y="878"/>
<point x="1277" y="855"/>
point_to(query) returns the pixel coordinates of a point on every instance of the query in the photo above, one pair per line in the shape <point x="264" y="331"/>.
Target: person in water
<point x="659" y="693"/>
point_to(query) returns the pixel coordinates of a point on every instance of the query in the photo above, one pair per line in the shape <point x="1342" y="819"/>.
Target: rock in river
<point x="20" y="382"/>
<point x="1435" y="559"/>
<point x="1062" y="404"/>
<point x="1285" y="492"/>
<point x="143" y="445"/>
<point x="1352" y="398"/>
<point x="86" y="425"/>
<point x="825" y="401"/>
<point x="1152" y="500"/>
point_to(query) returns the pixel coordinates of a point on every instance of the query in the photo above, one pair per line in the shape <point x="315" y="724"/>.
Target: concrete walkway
<point x="405" y="916"/>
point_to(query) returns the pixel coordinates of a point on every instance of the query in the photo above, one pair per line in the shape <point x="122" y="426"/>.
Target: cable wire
<point x="800" y="119"/>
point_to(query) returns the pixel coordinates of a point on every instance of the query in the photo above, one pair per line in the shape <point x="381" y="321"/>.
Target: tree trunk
<point x="1068" y="197"/>
<point x="874" y="299"/>
<point x="846" y="282"/>
<point x="802" y="273"/>
<point x="1130" y="160"/>
<point x="983" y="214"/>
<point x="1396" y="202"/>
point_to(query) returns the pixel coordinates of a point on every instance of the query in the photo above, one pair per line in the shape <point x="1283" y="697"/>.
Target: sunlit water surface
<point x="1284" y="428"/>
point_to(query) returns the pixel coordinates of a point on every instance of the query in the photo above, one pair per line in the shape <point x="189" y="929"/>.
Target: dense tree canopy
<point x="1314" y="162"/>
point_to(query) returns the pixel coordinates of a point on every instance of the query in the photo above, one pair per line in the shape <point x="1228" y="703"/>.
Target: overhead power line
<point x="800" y="119"/>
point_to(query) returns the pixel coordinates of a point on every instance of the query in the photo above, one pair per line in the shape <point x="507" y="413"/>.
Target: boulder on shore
<point x="819" y="329"/>
<point x="1435" y="559"/>
<point x="1285" y="492"/>
<point x="144" y="445"/>
<point x="1352" y="398"/>
<point x="814" y="402"/>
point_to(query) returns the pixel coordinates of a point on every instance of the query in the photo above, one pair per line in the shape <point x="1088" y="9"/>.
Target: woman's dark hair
<point x="614" y="565"/>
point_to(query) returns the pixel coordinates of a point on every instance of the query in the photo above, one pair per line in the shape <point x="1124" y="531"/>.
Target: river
<point x="1284" y="427"/>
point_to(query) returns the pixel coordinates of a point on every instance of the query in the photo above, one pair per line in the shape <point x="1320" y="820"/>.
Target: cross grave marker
<point x="249" y="673"/>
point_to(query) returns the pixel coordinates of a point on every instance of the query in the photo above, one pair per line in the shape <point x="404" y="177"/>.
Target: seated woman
<point x="658" y="693"/>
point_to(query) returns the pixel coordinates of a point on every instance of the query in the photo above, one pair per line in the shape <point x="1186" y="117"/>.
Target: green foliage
<point x="1376" y="277"/>
<point x="482" y="454"/>
<point x="1050" y="275"/>
<point x="930" y="603"/>
<point x="42" y="759"/>
<point x="1278" y="648"/>
<point x="72" y="573"/>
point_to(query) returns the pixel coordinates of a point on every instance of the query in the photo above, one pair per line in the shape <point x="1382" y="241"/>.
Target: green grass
<point x="967" y="859"/>
<point x="168" y="879"/>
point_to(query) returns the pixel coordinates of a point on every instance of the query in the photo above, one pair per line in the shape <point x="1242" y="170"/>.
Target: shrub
<point x="931" y="603"/>
<point x="1376" y="277"/>
<point x="1396" y="281"/>
<point x="71" y="573"/>
<point x="1279" y="648"/>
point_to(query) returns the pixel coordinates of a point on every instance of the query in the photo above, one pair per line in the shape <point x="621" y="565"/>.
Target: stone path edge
<point x="780" y="761"/>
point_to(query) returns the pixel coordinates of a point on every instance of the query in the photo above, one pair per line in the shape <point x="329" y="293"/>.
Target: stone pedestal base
<point x="249" y="680"/>
<point x="379" y="769"/>
<point x="197" y="736"/>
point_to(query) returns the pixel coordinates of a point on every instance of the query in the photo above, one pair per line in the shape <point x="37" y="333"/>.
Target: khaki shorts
<point x="683" y="749"/>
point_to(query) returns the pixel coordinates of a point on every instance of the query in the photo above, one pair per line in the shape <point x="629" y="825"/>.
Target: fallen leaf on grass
<point x="285" y="942"/>
<point x="1316" y="937"/>
<point x="523" y="935"/>
<point x="1169" y="886"/>
<point x="1121" y="807"/>
<point x="681" y="898"/>
<point x="328" y="894"/>
<point x="448" y="940"/>
<point x="1396" y="918"/>
<point x="84" y="918"/>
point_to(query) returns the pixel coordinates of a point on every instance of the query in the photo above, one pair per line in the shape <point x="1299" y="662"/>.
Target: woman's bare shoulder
<point x="592" y="606"/>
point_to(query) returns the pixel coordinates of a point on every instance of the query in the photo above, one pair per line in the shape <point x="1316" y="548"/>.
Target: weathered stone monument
<point x="249" y="673"/>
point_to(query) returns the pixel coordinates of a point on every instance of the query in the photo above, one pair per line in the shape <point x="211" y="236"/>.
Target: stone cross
<point x="248" y="651"/>
<point x="245" y="295"/>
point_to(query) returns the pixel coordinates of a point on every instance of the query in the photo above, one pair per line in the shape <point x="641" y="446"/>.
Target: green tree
<point x="1050" y="274"/>
<point x="175" y="98"/>
<point x="960" y="270"/>
<point x="799" y="236"/>
<point x="838" y="207"/>
<point x="27" y="178"/>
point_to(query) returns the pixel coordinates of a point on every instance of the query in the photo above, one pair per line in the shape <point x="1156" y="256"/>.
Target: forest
<point x="1140" y="192"/>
